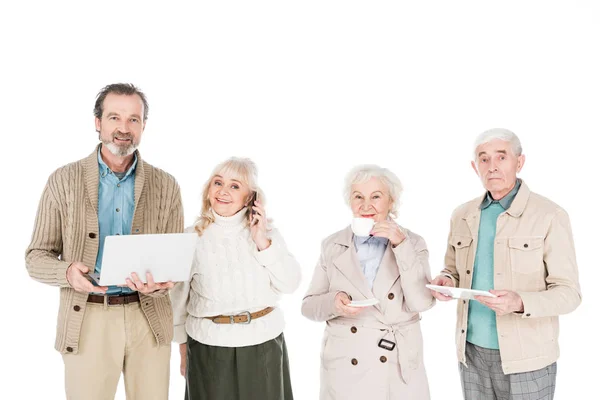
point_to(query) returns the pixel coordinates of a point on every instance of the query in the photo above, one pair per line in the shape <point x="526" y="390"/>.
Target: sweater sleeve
<point x="43" y="256"/>
<point x="180" y="296"/>
<point x="284" y="270"/>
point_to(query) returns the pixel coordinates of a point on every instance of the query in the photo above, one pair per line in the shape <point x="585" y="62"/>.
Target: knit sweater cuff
<point x="268" y="256"/>
<point x="179" y="334"/>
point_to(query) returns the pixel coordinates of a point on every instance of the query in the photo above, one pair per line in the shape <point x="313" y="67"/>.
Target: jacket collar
<point x="515" y="210"/>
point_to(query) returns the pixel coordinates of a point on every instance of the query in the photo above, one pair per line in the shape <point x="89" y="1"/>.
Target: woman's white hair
<point x="498" y="133"/>
<point x="363" y="173"/>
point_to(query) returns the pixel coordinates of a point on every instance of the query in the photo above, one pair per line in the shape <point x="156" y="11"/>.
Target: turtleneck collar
<point x="230" y="222"/>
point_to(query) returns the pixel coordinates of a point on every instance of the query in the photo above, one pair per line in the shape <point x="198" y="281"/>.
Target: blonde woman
<point x="375" y="352"/>
<point x="226" y="317"/>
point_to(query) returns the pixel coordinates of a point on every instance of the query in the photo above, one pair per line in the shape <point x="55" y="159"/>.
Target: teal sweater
<point x="481" y="323"/>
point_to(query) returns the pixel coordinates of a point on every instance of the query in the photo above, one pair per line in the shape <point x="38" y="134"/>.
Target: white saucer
<point x="363" y="303"/>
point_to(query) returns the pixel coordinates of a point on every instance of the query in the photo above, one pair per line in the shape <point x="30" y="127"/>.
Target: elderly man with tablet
<point x="518" y="246"/>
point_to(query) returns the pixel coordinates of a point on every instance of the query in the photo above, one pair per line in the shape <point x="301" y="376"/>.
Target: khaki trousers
<point x="117" y="339"/>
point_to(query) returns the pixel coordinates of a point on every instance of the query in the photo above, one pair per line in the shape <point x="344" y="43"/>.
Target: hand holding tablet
<point x="459" y="293"/>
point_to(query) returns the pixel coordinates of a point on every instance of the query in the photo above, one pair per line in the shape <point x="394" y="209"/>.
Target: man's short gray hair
<point x="363" y="173"/>
<point x="498" y="133"/>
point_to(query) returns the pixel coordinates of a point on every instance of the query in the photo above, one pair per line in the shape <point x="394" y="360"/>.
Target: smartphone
<point x="253" y="211"/>
<point x="252" y="203"/>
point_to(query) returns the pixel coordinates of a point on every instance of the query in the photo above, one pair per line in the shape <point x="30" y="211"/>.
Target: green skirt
<point x="259" y="372"/>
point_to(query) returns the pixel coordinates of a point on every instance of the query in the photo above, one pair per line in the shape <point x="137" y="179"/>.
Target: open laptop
<point x="167" y="256"/>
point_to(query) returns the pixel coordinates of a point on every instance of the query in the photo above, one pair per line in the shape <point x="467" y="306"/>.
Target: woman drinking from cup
<point x="226" y="317"/>
<point x="371" y="351"/>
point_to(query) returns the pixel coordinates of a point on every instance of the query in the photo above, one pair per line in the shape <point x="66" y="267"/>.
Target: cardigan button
<point x="92" y="235"/>
<point x="70" y="349"/>
<point x="76" y="308"/>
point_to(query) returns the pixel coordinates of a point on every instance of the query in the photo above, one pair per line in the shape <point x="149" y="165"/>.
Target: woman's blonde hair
<point x="241" y="169"/>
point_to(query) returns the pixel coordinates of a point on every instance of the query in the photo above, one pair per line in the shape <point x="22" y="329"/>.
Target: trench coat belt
<point x="397" y="333"/>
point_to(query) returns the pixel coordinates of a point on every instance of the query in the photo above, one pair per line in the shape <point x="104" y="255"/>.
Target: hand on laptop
<point x="146" y="288"/>
<point x="76" y="276"/>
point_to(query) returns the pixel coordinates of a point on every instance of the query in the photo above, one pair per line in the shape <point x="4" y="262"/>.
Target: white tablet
<point x="168" y="257"/>
<point x="363" y="303"/>
<point x="460" y="293"/>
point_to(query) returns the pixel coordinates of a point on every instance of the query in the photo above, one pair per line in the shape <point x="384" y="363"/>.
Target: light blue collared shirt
<point x="370" y="251"/>
<point x="116" y="203"/>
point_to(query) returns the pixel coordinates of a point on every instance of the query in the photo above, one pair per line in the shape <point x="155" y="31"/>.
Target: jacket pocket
<point x="462" y="246"/>
<point x="527" y="262"/>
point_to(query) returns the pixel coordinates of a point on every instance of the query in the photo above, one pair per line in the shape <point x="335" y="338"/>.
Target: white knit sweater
<point x="229" y="276"/>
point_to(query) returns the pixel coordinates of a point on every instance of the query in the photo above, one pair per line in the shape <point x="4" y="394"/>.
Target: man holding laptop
<point x="519" y="243"/>
<point x="103" y="331"/>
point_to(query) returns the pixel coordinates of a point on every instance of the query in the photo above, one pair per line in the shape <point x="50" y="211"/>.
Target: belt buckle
<point x="386" y="344"/>
<point x="247" y="314"/>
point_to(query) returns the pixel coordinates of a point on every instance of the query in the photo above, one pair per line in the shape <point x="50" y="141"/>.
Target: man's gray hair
<point x="498" y="133"/>
<point x="363" y="173"/>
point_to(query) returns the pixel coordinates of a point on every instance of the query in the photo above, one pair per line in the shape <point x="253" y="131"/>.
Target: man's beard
<point x="118" y="150"/>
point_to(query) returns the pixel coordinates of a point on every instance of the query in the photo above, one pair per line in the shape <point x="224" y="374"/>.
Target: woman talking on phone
<point x="226" y="317"/>
<point x="369" y="287"/>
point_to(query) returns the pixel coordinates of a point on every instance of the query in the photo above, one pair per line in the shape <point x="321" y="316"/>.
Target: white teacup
<point x="362" y="226"/>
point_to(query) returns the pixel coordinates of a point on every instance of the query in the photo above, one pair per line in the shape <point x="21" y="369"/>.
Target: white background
<point x="307" y="89"/>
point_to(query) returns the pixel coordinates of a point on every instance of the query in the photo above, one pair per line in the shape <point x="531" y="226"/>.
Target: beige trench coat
<point x="353" y="365"/>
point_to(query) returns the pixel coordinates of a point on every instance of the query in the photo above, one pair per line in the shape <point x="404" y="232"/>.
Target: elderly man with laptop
<point x="105" y="331"/>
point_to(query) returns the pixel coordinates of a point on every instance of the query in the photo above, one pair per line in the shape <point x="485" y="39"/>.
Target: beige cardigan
<point x="66" y="230"/>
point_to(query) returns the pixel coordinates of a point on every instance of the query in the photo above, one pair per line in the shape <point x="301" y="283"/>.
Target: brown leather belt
<point x="114" y="300"/>
<point x="243" y="318"/>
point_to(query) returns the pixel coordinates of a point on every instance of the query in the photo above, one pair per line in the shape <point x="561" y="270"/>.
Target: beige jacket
<point x="66" y="230"/>
<point x="353" y="366"/>
<point x="534" y="256"/>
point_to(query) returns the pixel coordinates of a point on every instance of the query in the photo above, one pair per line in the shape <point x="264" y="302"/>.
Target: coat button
<point x="354" y="361"/>
<point x="383" y="359"/>
<point x="468" y="271"/>
<point x="353" y="329"/>
<point x="526" y="245"/>
<point x="528" y="315"/>
<point x="391" y="296"/>
<point x="462" y="331"/>
<point x="70" y="349"/>
<point x="459" y="243"/>
<point x="76" y="308"/>
<point x="92" y="235"/>
<point x="350" y="297"/>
